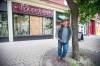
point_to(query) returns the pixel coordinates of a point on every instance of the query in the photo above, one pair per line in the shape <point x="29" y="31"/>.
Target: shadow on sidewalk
<point x="50" y="58"/>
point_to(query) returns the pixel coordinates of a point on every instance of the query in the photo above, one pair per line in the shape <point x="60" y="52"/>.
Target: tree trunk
<point x="74" y="23"/>
<point x="75" y="46"/>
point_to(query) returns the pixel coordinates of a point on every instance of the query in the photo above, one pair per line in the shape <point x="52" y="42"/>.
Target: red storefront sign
<point x="32" y="10"/>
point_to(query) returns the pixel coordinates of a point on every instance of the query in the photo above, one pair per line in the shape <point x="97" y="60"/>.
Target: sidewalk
<point x="87" y="58"/>
<point x="32" y="53"/>
<point x="24" y="53"/>
<point x="50" y="59"/>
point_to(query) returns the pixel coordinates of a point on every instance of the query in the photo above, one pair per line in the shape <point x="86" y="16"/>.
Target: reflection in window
<point x="47" y="26"/>
<point x="3" y="24"/>
<point x="21" y="25"/>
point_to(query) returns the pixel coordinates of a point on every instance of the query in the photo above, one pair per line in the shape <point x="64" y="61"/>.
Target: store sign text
<point x="27" y="9"/>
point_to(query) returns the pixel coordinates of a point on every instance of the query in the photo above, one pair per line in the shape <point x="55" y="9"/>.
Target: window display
<point x="47" y="26"/>
<point x="3" y="24"/>
<point x="25" y="25"/>
<point x="21" y="25"/>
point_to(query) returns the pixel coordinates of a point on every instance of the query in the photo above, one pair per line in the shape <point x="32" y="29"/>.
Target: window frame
<point x="33" y="37"/>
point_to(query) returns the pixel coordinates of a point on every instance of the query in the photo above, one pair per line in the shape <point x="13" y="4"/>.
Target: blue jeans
<point x="62" y="49"/>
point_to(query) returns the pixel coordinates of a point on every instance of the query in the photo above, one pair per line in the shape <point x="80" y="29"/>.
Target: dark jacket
<point x="61" y="31"/>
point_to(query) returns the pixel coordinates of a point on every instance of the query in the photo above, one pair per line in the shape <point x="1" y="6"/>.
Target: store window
<point x="40" y="26"/>
<point x="3" y="24"/>
<point x="47" y="26"/>
<point x="21" y="25"/>
<point x="25" y="25"/>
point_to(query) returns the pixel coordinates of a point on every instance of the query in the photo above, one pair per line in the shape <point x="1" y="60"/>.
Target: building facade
<point x="97" y="24"/>
<point x="28" y="19"/>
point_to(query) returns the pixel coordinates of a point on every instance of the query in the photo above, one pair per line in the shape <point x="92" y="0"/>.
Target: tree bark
<point x="74" y="23"/>
<point x="75" y="46"/>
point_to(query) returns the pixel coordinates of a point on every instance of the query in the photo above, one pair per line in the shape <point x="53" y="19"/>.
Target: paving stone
<point x="31" y="53"/>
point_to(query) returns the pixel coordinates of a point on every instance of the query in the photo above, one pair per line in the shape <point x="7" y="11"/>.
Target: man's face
<point x="65" y="23"/>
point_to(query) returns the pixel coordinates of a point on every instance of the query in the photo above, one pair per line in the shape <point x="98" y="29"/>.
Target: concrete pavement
<point x="87" y="57"/>
<point x="31" y="53"/>
<point x="24" y="53"/>
<point x="89" y="49"/>
<point x="91" y="43"/>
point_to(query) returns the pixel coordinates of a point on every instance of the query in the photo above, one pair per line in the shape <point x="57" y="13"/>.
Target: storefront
<point x="91" y="27"/>
<point x="28" y="20"/>
<point x="3" y="21"/>
<point x="98" y="28"/>
<point x="98" y="24"/>
<point x="31" y="22"/>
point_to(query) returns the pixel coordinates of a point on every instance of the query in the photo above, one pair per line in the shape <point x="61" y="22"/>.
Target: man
<point x="64" y="34"/>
